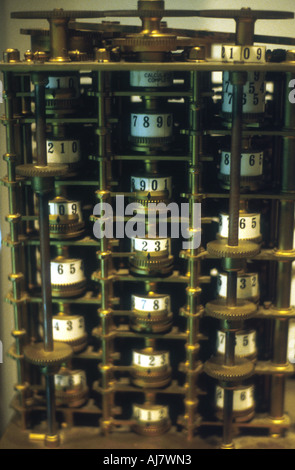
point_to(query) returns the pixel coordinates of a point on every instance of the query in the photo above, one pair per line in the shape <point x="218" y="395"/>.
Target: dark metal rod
<point x="229" y="348"/>
<point x="234" y="197"/>
<point x="43" y="199"/>
<point x="45" y="271"/>
<point x="231" y="293"/>
<point x="227" y="418"/>
<point x="51" y="408"/>
<point x="40" y="124"/>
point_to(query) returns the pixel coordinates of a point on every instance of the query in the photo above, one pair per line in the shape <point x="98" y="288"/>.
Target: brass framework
<point x="130" y="370"/>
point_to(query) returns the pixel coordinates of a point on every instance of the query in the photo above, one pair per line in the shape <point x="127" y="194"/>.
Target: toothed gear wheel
<point x="32" y="170"/>
<point x="141" y="43"/>
<point x="151" y="265"/>
<point x="241" y="311"/>
<point x="152" y="429"/>
<point x="71" y="398"/>
<point x="245" y="249"/>
<point x="241" y="370"/>
<point x="35" y="354"/>
<point x="246" y="13"/>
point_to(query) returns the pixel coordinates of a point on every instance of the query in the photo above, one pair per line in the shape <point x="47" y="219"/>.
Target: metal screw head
<point x="40" y="56"/>
<point x="29" y="56"/>
<point x="102" y="55"/>
<point x="77" y="56"/>
<point x="11" y="55"/>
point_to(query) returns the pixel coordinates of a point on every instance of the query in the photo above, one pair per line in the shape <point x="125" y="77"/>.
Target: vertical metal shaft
<point x="45" y="272"/>
<point x="50" y="402"/>
<point x="41" y="186"/>
<point x="40" y="117"/>
<point x="43" y="199"/>
<point x="193" y="307"/>
<point x="235" y="165"/>
<point x="105" y="261"/>
<point x="233" y="240"/>
<point x="284" y="269"/>
<point x="14" y="220"/>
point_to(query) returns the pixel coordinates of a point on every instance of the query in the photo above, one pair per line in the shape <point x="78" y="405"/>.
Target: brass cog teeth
<point x="140" y="43"/>
<point x="35" y="354"/>
<point x="151" y="140"/>
<point x="68" y="290"/>
<point x="152" y="429"/>
<point x="153" y="318"/>
<point x="246" y="116"/>
<point x="32" y="170"/>
<point x="77" y="345"/>
<point x="64" y="286"/>
<point x="245" y="249"/>
<point x="145" y="202"/>
<point x="156" y="262"/>
<point x="241" y="370"/>
<point x="69" y="395"/>
<point x="65" y="228"/>
<point x="243" y="310"/>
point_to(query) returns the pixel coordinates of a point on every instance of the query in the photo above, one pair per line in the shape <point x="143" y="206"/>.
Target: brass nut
<point x="290" y="56"/>
<point x="11" y="55"/>
<point x="40" y="56"/>
<point x="102" y="55"/>
<point x="29" y="56"/>
<point x="197" y="53"/>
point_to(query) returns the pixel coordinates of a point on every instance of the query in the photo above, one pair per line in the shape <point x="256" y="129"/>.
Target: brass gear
<point x="151" y="266"/>
<point x="153" y="379"/>
<point x="68" y="290"/>
<point x="246" y="13"/>
<point x="147" y="43"/>
<point x="245" y="249"/>
<point x="241" y="370"/>
<point x="35" y="354"/>
<point x="46" y="171"/>
<point x="152" y="429"/>
<point x="241" y="311"/>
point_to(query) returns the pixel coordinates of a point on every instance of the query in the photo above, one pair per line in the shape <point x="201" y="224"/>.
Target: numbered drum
<point x="64" y="151"/>
<point x="67" y="277"/>
<point x="150" y="189"/>
<point x="70" y="329"/>
<point x="151" y="256"/>
<point x="243" y="402"/>
<point x="247" y="286"/>
<point x="251" y="169"/>
<point x="70" y="388"/>
<point x="62" y="94"/>
<point x="150" y="368"/>
<point x="65" y="218"/>
<point x="249" y="226"/>
<point x="151" y="313"/>
<point x="245" y="343"/>
<point x="151" y="420"/>
<point x="253" y="97"/>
